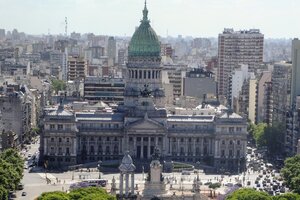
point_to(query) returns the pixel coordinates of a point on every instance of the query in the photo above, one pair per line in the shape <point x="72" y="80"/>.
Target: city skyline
<point x="273" y="18"/>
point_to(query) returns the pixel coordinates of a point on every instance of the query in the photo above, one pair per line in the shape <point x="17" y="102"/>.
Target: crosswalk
<point x="47" y="175"/>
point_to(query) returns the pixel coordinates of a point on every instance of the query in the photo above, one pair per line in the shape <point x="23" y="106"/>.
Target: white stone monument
<point x="155" y="186"/>
<point x="126" y="168"/>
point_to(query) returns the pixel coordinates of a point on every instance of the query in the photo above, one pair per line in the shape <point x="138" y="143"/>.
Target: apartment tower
<point x="234" y="48"/>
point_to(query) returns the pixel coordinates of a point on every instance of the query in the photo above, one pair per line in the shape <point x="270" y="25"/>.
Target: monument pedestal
<point x="154" y="190"/>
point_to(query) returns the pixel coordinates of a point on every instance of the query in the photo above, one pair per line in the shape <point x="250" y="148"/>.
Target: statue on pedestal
<point x="113" y="186"/>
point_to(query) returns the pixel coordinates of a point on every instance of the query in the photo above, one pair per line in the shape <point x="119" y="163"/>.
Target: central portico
<point x="143" y="136"/>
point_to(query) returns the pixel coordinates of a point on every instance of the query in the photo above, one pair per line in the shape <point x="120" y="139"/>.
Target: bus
<point x="96" y="182"/>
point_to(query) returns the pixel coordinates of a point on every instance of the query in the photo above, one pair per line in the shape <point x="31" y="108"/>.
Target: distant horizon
<point x="189" y="18"/>
<point x="118" y="36"/>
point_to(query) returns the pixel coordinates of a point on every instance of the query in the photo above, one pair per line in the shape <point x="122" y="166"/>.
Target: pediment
<point x="145" y="124"/>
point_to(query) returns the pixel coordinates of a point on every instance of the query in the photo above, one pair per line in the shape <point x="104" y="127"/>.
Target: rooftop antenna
<point x="66" y="26"/>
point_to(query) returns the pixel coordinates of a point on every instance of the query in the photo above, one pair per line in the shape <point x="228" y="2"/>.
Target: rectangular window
<point x="60" y="127"/>
<point x="231" y="129"/>
<point x="52" y="127"/>
<point x="238" y="129"/>
<point x="68" y="127"/>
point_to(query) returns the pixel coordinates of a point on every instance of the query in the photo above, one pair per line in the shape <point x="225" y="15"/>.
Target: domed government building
<point x="212" y="136"/>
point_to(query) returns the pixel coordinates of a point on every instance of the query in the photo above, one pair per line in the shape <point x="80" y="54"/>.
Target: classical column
<point x="45" y="147"/>
<point x="170" y="143"/>
<point x="178" y="149"/>
<point x="123" y="145"/>
<point x="149" y="144"/>
<point x="121" y="184"/>
<point x="202" y="146"/>
<point x="142" y="147"/>
<point x="74" y="146"/>
<point x="165" y="145"/>
<point x="216" y="153"/>
<point x="134" y="146"/>
<point x="156" y="141"/>
<point x="132" y="183"/>
<point x="120" y="147"/>
<point x="194" y="146"/>
<point x="126" y="184"/>
<point x="186" y="146"/>
<point x="234" y="148"/>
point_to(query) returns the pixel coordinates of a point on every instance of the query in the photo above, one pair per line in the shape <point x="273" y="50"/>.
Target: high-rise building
<point x="111" y="50"/>
<point x="2" y="33"/>
<point x="282" y="113"/>
<point x="237" y="79"/>
<point x="121" y="56"/>
<point x="296" y="70"/>
<point x="234" y="48"/>
<point x="166" y="50"/>
<point x="264" y="100"/>
<point x="77" y="68"/>
<point x="281" y="90"/>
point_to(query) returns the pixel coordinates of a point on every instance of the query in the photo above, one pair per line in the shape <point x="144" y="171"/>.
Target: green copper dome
<point x="144" y="41"/>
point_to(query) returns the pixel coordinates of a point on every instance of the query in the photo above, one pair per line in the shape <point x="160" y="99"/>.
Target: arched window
<point x="197" y="151"/>
<point x="182" y="151"/>
<point x="92" y="150"/>
<point x="116" y="150"/>
<point x="107" y="151"/>
<point x="100" y="150"/>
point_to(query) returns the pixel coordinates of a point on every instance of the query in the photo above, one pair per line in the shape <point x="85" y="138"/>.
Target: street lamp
<point x="99" y="167"/>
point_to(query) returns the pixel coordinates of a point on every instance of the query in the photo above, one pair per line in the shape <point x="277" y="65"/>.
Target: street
<point x="37" y="181"/>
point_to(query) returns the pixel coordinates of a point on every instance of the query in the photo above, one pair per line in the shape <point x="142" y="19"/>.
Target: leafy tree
<point x="11" y="169"/>
<point x="287" y="196"/>
<point x="257" y="131"/>
<point x="12" y="156"/>
<point x="9" y="177"/>
<point x="248" y="194"/>
<point x="58" y="85"/>
<point x="89" y="193"/>
<point x="54" y="196"/>
<point x="269" y="136"/>
<point x="3" y="193"/>
<point x="291" y="173"/>
<point x="273" y="137"/>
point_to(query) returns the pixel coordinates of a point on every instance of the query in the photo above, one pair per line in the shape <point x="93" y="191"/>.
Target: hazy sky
<point x="198" y="18"/>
